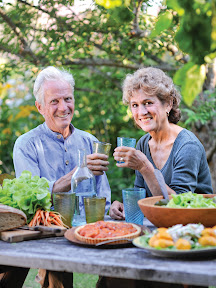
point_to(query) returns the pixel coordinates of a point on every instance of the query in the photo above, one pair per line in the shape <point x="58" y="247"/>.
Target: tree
<point x="99" y="46"/>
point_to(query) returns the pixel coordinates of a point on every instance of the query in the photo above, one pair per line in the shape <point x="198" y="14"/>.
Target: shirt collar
<point x="55" y="135"/>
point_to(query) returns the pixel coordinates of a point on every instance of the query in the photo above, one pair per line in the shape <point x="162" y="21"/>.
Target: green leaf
<point x="26" y="193"/>
<point x="194" y="80"/>
<point x="41" y="195"/>
<point x="210" y="57"/>
<point x="174" y="5"/>
<point x="109" y="4"/>
<point x="26" y="175"/>
<point x="191" y="78"/>
<point x="163" y="23"/>
<point x="190" y="200"/>
<point x="179" y="77"/>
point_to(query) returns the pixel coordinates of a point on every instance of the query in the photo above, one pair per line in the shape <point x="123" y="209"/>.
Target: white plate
<point x="202" y="252"/>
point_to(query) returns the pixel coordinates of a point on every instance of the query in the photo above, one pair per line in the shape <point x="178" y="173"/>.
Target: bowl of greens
<point x="182" y="208"/>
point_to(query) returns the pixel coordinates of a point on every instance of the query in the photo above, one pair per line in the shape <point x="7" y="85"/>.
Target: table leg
<point x="54" y="279"/>
<point x="13" y="278"/>
<point x="110" y="282"/>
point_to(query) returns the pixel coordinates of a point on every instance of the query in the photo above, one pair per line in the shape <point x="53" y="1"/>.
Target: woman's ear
<point x="169" y="107"/>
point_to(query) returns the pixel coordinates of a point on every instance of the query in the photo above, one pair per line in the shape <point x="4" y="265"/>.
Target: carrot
<point x="47" y="218"/>
<point x="43" y="218"/>
<point x="56" y="222"/>
<point x="33" y="221"/>
<point x="38" y="221"/>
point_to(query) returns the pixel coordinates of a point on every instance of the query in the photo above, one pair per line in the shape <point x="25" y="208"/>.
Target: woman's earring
<point x="167" y="114"/>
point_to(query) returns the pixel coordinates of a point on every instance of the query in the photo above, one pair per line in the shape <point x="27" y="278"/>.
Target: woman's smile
<point x="148" y="112"/>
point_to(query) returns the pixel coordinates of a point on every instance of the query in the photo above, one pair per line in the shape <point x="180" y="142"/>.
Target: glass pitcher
<point x="84" y="185"/>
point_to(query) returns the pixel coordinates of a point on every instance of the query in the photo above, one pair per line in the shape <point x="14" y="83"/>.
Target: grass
<point x="80" y="280"/>
<point x="30" y="279"/>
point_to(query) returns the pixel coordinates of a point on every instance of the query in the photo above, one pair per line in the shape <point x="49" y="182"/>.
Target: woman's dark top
<point x="186" y="168"/>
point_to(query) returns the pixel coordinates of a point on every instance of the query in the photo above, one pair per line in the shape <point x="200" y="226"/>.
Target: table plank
<point x="59" y="254"/>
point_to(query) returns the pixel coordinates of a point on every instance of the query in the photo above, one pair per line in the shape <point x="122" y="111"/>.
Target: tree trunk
<point x="207" y="133"/>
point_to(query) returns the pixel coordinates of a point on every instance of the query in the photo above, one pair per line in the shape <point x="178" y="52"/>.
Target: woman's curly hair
<point x="153" y="82"/>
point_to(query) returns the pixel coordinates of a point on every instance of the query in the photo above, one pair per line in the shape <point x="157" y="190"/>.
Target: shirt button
<point x="65" y="149"/>
<point x="66" y="162"/>
<point x="59" y="136"/>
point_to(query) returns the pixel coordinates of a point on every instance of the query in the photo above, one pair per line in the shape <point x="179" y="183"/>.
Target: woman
<point x="175" y="151"/>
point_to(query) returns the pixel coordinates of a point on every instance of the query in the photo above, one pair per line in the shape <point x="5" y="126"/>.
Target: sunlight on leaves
<point x="163" y="23"/>
<point x="191" y="78"/>
<point x="109" y="4"/>
<point x="173" y="4"/>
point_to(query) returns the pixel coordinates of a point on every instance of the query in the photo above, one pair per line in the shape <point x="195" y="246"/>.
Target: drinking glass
<point x="130" y="196"/>
<point x="64" y="203"/>
<point x="94" y="209"/>
<point x="101" y="147"/>
<point x="123" y="141"/>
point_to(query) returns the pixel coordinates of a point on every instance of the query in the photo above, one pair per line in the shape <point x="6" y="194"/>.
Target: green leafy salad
<point x="26" y="193"/>
<point x="188" y="200"/>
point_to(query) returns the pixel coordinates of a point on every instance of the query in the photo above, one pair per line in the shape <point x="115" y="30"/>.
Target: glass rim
<point x="69" y="192"/>
<point x="94" y="198"/>
<point x="103" y="143"/>
<point x="126" y="138"/>
<point x="133" y="189"/>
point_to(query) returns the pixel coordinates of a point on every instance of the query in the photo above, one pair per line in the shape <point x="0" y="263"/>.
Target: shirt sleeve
<point x="186" y="166"/>
<point x="185" y="170"/>
<point x="25" y="158"/>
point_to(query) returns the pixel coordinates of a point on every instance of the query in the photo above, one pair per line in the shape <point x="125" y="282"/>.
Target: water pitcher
<point x="84" y="185"/>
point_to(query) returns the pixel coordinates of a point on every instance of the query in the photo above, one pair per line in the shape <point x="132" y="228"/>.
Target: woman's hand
<point x="97" y="163"/>
<point x="132" y="158"/>
<point x="117" y="211"/>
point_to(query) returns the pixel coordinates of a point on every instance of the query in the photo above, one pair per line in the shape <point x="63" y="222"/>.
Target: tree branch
<point x="33" y="6"/>
<point x="210" y="152"/>
<point x="136" y="31"/>
<point x="25" y="49"/>
<point x="105" y="62"/>
<point x="88" y="90"/>
<point x="107" y="76"/>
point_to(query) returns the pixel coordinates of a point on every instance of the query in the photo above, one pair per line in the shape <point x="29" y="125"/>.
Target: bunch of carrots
<point x="47" y="218"/>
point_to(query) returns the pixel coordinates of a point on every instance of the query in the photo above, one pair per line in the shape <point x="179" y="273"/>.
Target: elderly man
<point x="51" y="149"/>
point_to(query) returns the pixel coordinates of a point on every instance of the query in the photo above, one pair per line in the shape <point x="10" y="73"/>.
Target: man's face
<point x="58" y="106"/>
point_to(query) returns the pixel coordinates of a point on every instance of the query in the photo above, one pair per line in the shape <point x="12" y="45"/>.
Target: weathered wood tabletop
<point x="59" y="254"/>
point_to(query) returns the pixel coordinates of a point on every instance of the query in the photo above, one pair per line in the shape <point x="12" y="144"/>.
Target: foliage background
<point x="99" y="46"/>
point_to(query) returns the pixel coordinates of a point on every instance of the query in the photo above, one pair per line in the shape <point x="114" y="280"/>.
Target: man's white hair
<point x="51" y="74"/>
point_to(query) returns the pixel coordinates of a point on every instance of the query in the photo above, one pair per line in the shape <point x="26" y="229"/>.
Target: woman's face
<point x="148" y="111"/>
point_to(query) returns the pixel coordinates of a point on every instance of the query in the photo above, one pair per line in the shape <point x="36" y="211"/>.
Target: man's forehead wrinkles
<point x="59" y="94"/>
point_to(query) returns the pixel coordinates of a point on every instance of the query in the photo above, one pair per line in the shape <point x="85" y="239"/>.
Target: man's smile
<point x="63" y="116"/>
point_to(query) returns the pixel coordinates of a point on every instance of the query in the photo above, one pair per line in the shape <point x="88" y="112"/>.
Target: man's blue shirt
<point x="47" y="154"/>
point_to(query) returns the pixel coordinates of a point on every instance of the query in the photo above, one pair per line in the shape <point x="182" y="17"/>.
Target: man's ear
<point x="39" y="107"/>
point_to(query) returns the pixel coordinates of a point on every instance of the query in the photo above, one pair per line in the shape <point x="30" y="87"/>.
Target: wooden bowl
<point x="162" y="216"/>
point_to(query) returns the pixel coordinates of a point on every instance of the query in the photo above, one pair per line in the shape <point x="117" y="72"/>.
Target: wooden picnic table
<point x="59" y="254"/>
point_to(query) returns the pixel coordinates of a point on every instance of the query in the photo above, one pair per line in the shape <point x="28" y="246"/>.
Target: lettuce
<point x="26" y="193"/>
<point x="191" y="200"/>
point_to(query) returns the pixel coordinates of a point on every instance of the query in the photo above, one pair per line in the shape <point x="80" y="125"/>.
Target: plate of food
<point x="111" y="233"/>
<point x="191" y="240"/>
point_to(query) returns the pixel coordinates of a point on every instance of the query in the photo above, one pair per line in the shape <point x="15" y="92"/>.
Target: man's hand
<point x="97" y="163"/>
<point x="117" y="211"/>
